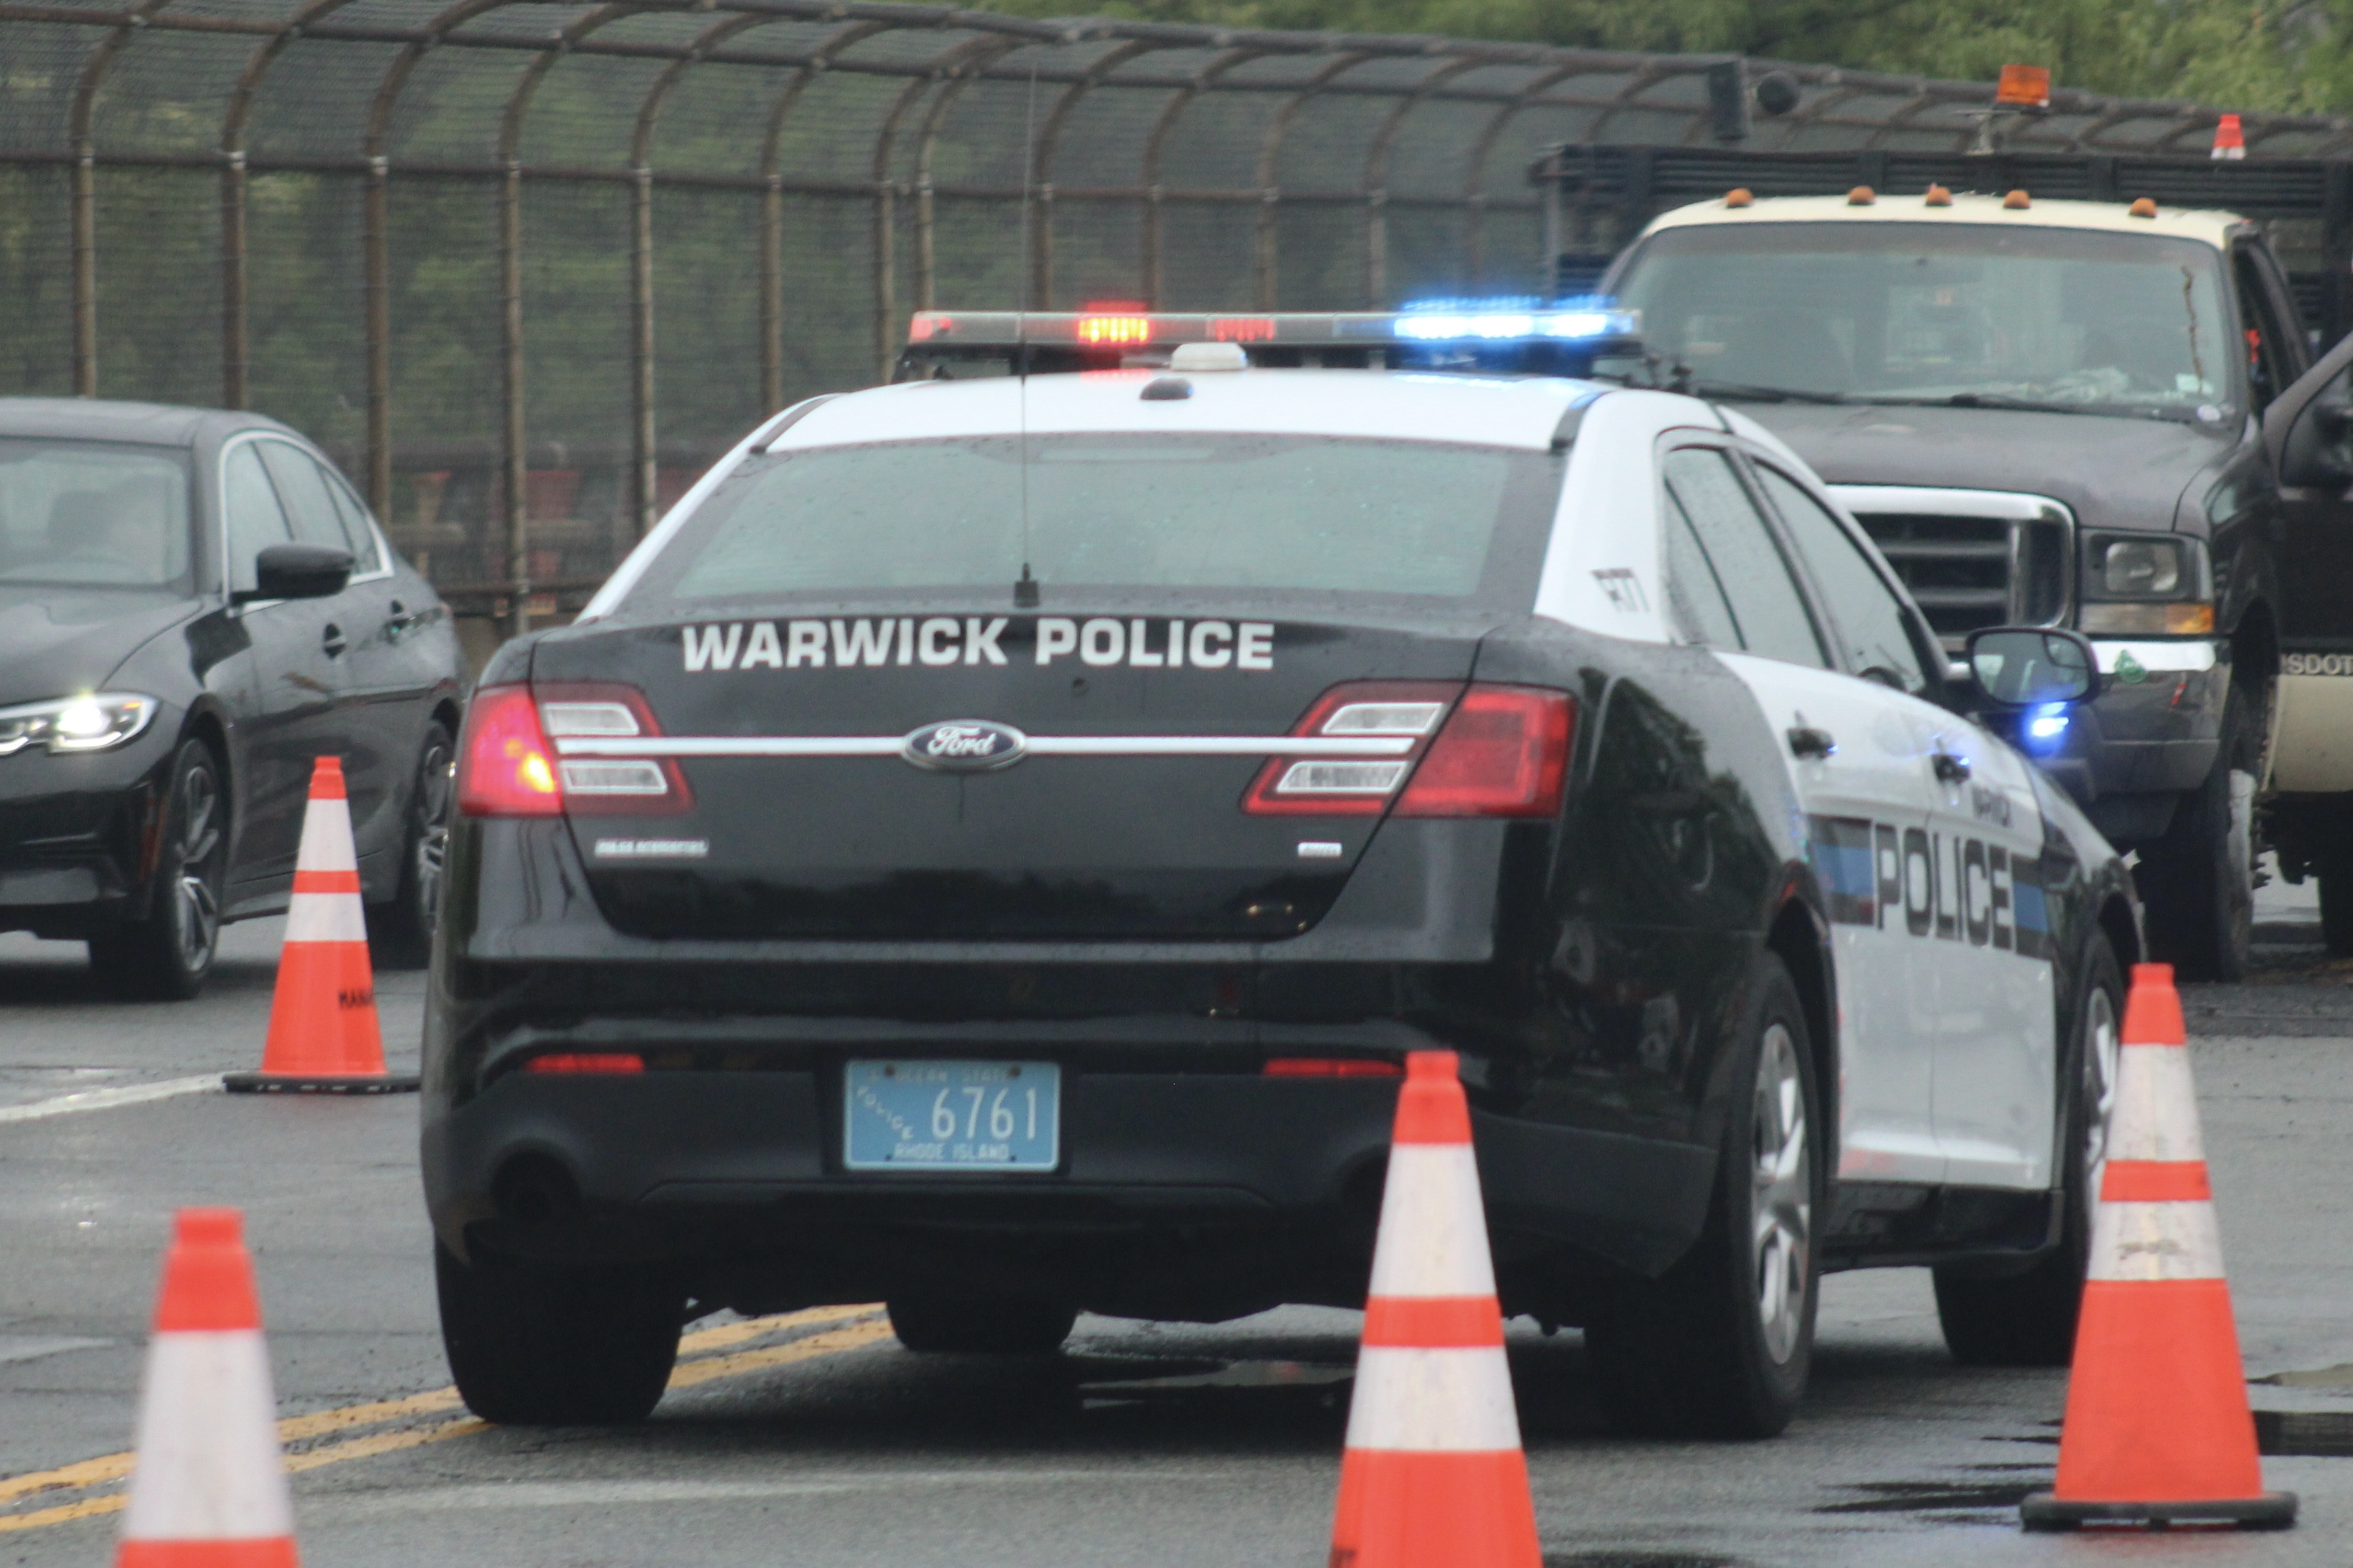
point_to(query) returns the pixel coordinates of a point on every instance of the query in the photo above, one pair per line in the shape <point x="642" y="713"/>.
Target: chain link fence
<point x="527" y="268"/>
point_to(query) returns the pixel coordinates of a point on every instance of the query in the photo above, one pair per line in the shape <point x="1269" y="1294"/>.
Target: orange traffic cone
<point x="2230" y="139"/>
<point x="2158" y="1429"/>
<point x="209" y="1490"/>
<point x="323" y="1027"/>
<point x="1433" y="1477"/>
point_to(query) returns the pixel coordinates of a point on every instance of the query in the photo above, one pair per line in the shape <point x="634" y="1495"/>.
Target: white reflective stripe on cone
<point x="326" y="917"/>
<point x="327" y="838"/>
<point x="209" y="1467"/>
<point x="2156" y="1114"/>
<point x="1434" y="1232"/>
<point x="2143" y="1242"/>
<point x="1433" y="1402"/>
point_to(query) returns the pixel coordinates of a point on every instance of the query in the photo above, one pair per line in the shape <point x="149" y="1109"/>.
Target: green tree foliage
<point x="2234" y="54"/>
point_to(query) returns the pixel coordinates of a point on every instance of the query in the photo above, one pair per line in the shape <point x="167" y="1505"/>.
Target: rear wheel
<point x="168" y="955"/>
<point x="2198" y="882"/>
<point x="2029" y="1320"/>
<point x="979" y="1325"/>
<point x="1721" y="1344"/>
<point x="536" y="1346"/>
<point x="400" y="934"/>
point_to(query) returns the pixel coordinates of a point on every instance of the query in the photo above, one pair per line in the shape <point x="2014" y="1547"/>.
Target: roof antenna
<point x="1024" y="588"/>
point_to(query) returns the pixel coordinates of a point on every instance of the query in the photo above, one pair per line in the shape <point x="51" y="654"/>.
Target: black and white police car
<point x="991" y="846"/>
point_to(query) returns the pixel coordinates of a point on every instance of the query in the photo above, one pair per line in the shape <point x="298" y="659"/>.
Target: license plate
<point x="951" y="1115"/>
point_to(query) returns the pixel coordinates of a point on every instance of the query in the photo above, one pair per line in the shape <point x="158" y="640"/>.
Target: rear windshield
<point x="93" y="514"/>
<point x="1283" y="516"/>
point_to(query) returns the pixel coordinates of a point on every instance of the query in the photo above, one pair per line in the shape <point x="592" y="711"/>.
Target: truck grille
<point x="1972" y="558"/>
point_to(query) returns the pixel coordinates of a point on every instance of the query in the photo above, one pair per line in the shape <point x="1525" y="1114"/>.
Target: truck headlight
<point x="87" y="723"/>
<point x="2141" y="585"/>
<point x="2140" y="568"/>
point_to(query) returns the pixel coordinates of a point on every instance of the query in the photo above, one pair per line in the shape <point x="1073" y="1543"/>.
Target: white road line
<point x="108" y="1099"/>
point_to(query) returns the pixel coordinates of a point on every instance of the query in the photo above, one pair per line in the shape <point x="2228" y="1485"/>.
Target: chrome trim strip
<point x="1039" y="745"/>
<point x="1934" y="501"/>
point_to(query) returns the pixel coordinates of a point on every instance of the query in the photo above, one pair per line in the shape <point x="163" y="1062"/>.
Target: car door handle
<point x="1950" y="769"/>
<point x="333" y="641"/>
<point x="1808" y="742"/>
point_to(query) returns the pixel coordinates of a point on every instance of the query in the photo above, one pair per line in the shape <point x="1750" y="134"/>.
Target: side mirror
<point x="2319" y="454"/>
<point x="297" y="571"/>
<point x="2308" y="428"/>
<point x="2029" y="667"/>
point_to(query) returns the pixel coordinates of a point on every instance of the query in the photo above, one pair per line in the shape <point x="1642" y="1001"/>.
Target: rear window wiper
<point x="1744" y="393"/>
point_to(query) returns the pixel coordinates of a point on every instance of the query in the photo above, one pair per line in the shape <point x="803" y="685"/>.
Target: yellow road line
<point x="701" y="1369"/>
<point x="831" y="1342"/>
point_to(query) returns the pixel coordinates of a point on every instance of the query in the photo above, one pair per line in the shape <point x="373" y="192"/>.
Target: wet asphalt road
<point x="818" y="1441"/>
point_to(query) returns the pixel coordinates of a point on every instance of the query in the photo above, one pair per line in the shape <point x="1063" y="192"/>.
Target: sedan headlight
<point x="88" y="723"/>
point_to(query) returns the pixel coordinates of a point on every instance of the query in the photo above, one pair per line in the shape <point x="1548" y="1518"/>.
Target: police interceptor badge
<point x="965" y="746"/>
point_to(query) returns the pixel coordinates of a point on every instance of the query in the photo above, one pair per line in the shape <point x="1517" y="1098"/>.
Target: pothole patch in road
<point x="2304" y="1433"/>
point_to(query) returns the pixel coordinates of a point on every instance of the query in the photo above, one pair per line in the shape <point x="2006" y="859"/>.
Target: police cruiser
<point x="991" y="846"/>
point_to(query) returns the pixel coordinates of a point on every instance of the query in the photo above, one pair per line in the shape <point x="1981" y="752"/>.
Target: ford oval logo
<point x="965" y="746"/>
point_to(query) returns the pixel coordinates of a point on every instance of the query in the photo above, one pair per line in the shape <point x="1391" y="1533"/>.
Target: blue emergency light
<point x="1516" y="320"/>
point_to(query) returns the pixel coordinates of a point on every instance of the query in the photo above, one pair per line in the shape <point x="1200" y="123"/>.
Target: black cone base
<point x="297" y="1083"/>
<point x="2272" y="1510"/>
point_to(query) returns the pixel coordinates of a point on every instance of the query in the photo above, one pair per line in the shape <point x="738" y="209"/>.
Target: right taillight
<point x="1503" y="752"/>
<point x="505" y="767"/>
<point x="1369" y="733"/>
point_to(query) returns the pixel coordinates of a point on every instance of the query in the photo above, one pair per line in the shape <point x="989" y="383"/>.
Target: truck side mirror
<point x="2308" y="428"/>
<point x="2032" y="667"/>
<point x="2319" y="454"/>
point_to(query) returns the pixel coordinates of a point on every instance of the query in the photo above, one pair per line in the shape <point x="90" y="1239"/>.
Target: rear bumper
<point x="1180" y="1193"/>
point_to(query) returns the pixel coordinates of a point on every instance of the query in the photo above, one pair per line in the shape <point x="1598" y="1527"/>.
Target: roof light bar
<point x="1418" y="329"/>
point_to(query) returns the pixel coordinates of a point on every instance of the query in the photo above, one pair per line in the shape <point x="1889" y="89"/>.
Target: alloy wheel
<point x="2100" y="1062"/>
<point x="436" y="787"/>
<point x="197" y="916"/>
<point x="1782" y="1183"/>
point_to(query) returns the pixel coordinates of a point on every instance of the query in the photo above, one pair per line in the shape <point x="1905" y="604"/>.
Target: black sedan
<point x="993" y="845"/>
<point x="193" y="607"/>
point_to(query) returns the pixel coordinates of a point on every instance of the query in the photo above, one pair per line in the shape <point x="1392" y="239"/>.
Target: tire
<point x="979" y="1325"/>
<point x="167" y="956"/>
<point x="534" y="1346"/>
<point x="1720" y="1345"/>
<point x="2198" y="882"/>
<point x="400" y="934"/>
<point x="2029" y="1320"/>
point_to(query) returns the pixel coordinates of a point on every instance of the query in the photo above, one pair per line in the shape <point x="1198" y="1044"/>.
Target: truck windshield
<point x="1939" y="312"/>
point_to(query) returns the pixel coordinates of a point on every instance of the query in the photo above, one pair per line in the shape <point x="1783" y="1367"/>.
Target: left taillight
<point x="542" y="751"/>
<point x="594" y="727"/>
<point x="505" y="767"/>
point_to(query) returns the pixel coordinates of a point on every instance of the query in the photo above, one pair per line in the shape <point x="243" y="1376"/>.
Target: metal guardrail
<point x="528" y="266"/>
